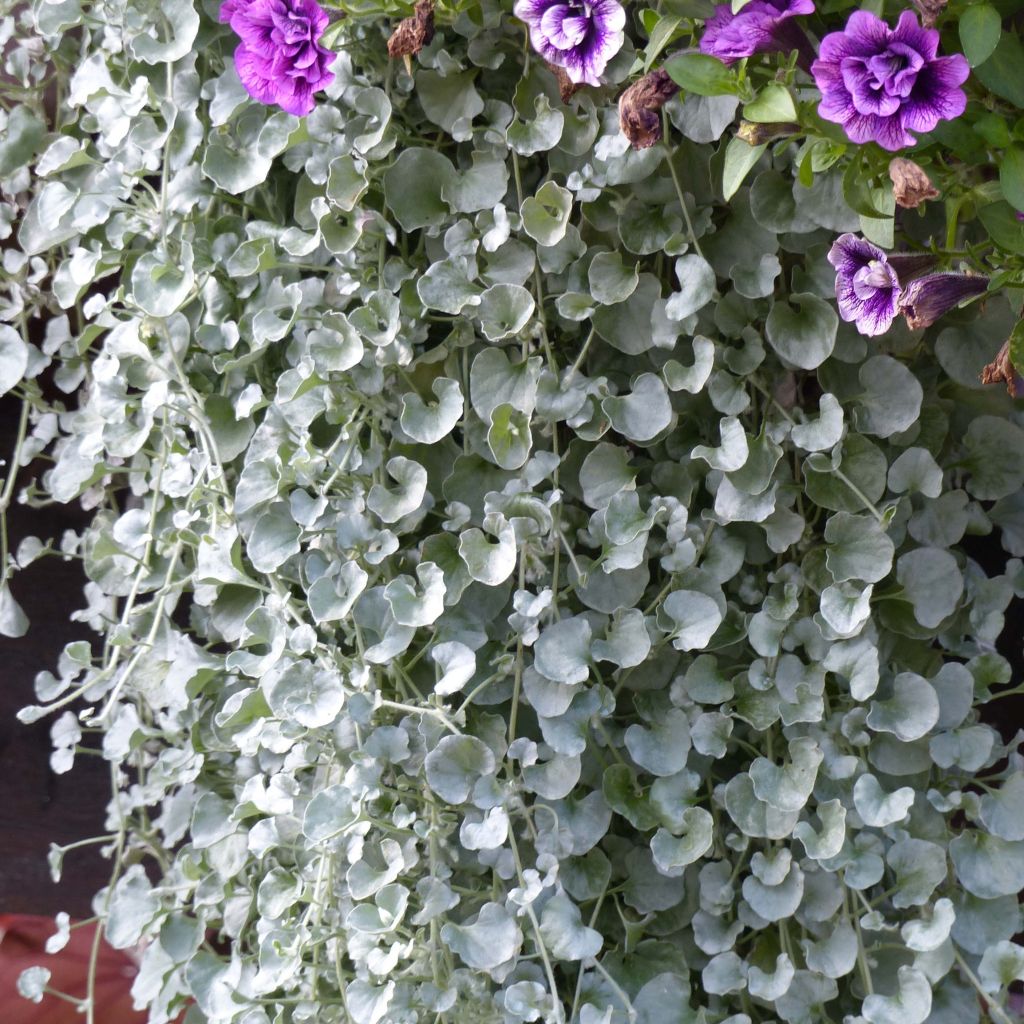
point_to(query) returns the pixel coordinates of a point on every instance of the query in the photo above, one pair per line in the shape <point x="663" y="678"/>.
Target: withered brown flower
<point x="414" y="32"/>
<point x="1001" y="369"/>
<point x="639" y="108"/>
<point x="910" y="185"/>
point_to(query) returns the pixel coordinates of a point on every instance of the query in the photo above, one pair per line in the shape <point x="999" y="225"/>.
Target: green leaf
<point x="772" y="105"/>
<point x="329" y="813"/>
<point x="658" y="38"/>
<point x="685" y="845"/>
<point x="610" y="280"/>
<point x="414" y="186"/>
<point x="987" y="866"/>
<point x="546" y="214"/>
<point x="562" y="654"/>
<point x="642" y="414"/>
<point x="695" y="618"/>
<point x="1016" y="347"/>
<point x="1011" y="175"/>
<point x="505" y="309"/>
<point x="274" y="538"/>
<point x="932" y="583"/>
<point x="740" y="160"/>
<point x="1001" y="965"/>
<point x="858" y="548"/>
<point x="489" y="940"/>
<point x="13" y="358"/>
<point x="910" y="713"/>
<point x="877" y="807"/>
<point x="450" y="101"/>
<point x="980" y="27"/>
<point x="702" y="75"/>
<point x="21" y="140"/>
<point x="428" y="424"/>
<point x="455" y="766"/>
<point x="696" y="287"/>
<point x="911" y="1005"/>
<point x="802" y="330"/>
<point x="891" y="397"/>
<point x="1001" y="72"/>
<point x="509" y="437"/>
<point x="563" y="931"/>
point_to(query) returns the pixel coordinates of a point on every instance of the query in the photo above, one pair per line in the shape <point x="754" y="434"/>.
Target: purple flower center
<point x="868" y="280"/>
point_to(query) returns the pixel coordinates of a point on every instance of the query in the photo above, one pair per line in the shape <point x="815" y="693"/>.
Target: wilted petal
<point x="928" y="298"/>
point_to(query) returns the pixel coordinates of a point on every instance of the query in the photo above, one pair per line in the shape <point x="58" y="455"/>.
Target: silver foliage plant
<point x="517" y="597"/>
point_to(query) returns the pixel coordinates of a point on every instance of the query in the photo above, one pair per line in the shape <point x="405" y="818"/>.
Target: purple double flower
<point x="580" y="36"/>
<point x="870" y="294"/>
<point x="881" y="84"/>
<point x="761" y="26"/>
<point x="279" y="59"/>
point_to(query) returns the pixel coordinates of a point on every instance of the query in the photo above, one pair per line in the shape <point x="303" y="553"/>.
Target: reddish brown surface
<point x="22" y="938"/>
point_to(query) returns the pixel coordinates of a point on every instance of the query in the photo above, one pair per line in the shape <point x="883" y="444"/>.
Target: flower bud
<point x="928" y="298"/>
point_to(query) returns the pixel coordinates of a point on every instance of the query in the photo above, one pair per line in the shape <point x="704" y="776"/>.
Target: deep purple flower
<point x="867" y="286"/>
<point x="578" y="35"/>
<point x="279" y="59"/>
<point x="928" y="298"/>
<point x="881" y="84"/>
<point x="760" y="27"/>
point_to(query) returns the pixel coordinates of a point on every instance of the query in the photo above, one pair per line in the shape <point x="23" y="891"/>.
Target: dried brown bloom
<point x="1002" y="369"/>
<point x="639" y="108"/>
<point x="929" y="11"/>
<point x="755" y="134"/>
<point x="567" y="88"/>
<point x="413" y="33"/>
<point x="910" y="185"/>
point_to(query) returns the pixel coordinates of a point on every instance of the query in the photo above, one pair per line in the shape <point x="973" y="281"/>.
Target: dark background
<point x="38" y="807"/>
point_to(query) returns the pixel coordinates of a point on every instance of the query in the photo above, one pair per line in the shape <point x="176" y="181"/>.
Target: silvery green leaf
<point x="662" y="747"/>
<point x="546" y="214"/>
<point x="553" y="779"/>
<point x="509" y="437"/>
<point x="274" y="538"/>
<point x="968" y="749"/>
<point x="910" y="713"/>
<point x="604" y="473"/>
<point x="754" y="817"/>
<point x="627" y="642"/>
<point x="723" y="974"/>
<point x="489" y="940"/>
<point x="13" y="620"/>
<point x="428" y="424"/>
<point x="665" y="999"/>
<point x="857" y="662"/>
<point x="710" y="734"/>
<point x="132" y="905"/>
<point x="929" y="934"/>
<point x="734" y="449"/>
<point x="877" y="807"/>
<point x="332" y="596"/>
<point x="414" y="186"/>
<point x="911" y="1005"/>
<point x="770" y="987"/>
<point x="691" y="378"/>
<point x="642" y="414"/>
<point x="305" y="693"/>
<point x="919" y="867"/>
<point x="1001" y="965"/>
<point x="775" y="901"/>
<point x="987" y="866"/>
<point x="417" y="606"/>
<point x="931" y="582"/>
<point x="526" y="1000"/>
<point x="278" y="890"/>
<point x="890" y="399"/>
<point x="448" y="285"/>
<point x="696" y="287"/>
<point x="488" y="833"/>
<point x="505" y="310"/>
<point x="180" y="25"/>
<point x="346" y="182"/>
<point x="13" y="358"/>
<point x="846" y="607"/>
<point x="391" y="505"/>
<point x="457" y="663"/>
<point x="829" y="841"/>
<point x="610" y="280"/>
<point x="673" y="852"/>
<point x="539" y="134"/>
<point x="563" y="931"/>
<point x="455" y="765"/>
<point x="628" y="326"/>
<point x="858" y="548"/>
<point x="915" y="471"/>
<point x="448" y="99"/>
<point x="562" y="653"/>
<point x="482" y="187"/>
<point x="368" y="1003"/>
<point x="32" y="983"/>
<point x="824" y="432"/>
<point x="994" y="457"/>
<point x="834" y="956"/>
<point x="160" y="285"/>
<point x="788" y="788"/>
<point x="695" y="616"/>
<point x="489" y="562"/>
<point x="495" y="381"/>
<point x="1001" y="810"/>
<point x="329" y="813"/>
<point x="802" y="330"/>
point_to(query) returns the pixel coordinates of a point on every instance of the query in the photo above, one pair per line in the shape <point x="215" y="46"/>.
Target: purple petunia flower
<point x="928" y="298"/>
<point x="578" y="35"/>
<point x="279" y="59"/>
<point x="881" y="84"/>
<point x="760" y="27"/>
<point x="867" y="286"/>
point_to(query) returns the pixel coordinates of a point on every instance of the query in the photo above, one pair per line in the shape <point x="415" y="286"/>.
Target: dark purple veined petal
<point x="756" y="28"/>
<point x="937" y="95"/>
<point x="850" y="253"/>
<point x="576" y="36"/>
<point x="924" y="40"/>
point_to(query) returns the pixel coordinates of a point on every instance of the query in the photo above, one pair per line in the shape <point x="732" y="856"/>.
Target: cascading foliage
<point x="519" y="595"/>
